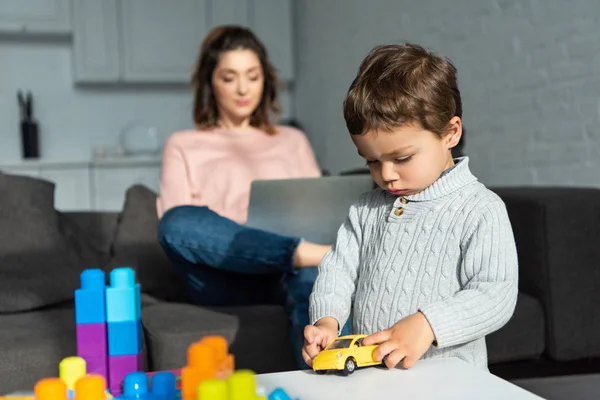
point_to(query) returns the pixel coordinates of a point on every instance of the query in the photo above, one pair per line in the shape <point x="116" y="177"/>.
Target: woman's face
<point x="237" y="83"/>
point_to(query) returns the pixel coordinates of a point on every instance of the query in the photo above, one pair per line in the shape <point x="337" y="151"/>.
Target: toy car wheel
<point x="320" y="372"/>
<point x="349" y="366"/>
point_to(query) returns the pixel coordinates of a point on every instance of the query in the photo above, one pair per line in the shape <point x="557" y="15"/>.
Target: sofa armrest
<point x="558" y="242"/>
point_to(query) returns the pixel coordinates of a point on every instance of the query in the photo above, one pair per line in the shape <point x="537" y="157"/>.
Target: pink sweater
<point x="215" y="168"/>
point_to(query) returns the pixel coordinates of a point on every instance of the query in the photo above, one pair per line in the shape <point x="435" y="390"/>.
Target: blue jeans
<point x="224" y="263"/>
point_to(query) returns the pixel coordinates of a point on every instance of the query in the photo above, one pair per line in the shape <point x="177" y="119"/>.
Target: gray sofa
<point x="43" y="251"/>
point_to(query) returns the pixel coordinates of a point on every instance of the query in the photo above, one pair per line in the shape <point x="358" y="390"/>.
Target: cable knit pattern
<point x="451" y="254"/>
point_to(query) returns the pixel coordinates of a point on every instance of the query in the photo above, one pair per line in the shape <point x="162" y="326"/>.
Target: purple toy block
<point x="92" y="347"/>
<point x="97" y="365"/>
<point x="92" y="340"/>
<point x="140" y="361"/>
<point x="118" y="368"/>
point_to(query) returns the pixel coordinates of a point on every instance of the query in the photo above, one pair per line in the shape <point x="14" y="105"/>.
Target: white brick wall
<point x="529" y="72"/>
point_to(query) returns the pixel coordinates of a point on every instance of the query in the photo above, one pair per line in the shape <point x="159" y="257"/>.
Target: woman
<point x="205" y="184"/>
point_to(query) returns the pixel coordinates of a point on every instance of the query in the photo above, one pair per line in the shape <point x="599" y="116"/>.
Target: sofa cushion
<point x="523" y="337"/>
<point x="136" y="245"/>
<point x="557" y="236"/>
<point x="41" y="252"/>
<point x="170" y="328"/>
<point x="98" y="227"/>
<point x="32" y="344"/>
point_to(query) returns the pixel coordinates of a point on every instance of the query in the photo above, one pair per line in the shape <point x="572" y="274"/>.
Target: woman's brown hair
<point x="219" y="40"/>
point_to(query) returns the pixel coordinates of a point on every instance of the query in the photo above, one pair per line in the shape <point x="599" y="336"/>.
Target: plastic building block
<point x="138" y="300"/>
<point x="135" y="387"/>
<point x="175" y="372"/>
<point x="90" y="301"/>
<point x="140" y="337"/>
<point x="90" y="387"/>
<point x="70" y="370"/>
<point x="92" y="346"/>
<point x="279" y="394"/>
<point x="224" y="360"/>
<point x="242" y="385"/>
<point x="213" y="389"/>
<point x="50" y="389"/>
<point x="91" y="340"/>
<point x="122" y="296"/>
<point x="118" y="368"/>
<point x="201" y="366"/>
<point x="164" y="386"/>
<point x="123" y="338"/>
<point x="140" y="361"/>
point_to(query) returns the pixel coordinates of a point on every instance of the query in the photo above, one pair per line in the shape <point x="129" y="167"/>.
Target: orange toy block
<point x="90" y="387"/>
<point x="201" y="365"/>
<point x="225" y="362"/>
<point x="50" y="389"/>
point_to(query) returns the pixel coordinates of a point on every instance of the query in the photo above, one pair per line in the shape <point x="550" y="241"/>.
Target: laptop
<point x="310" y="208"/>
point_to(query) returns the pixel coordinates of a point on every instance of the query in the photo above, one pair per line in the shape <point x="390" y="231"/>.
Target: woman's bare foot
<point x="309" y="254"/>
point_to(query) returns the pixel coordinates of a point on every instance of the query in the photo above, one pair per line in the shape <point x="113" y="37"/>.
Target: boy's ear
<point x="454" y="132"/>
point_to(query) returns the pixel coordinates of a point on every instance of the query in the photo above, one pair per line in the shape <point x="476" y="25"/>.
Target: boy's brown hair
<point x="402" y="84"/>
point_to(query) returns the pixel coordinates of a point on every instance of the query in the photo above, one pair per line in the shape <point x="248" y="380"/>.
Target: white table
<point x="428" y="379"/>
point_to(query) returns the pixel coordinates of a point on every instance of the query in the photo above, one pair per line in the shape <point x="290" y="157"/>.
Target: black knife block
<point x="29" y="139"/>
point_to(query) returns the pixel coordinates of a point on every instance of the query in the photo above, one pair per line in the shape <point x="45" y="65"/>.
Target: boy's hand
<point x="406" y="341"/>
<point x="317" y="337"/>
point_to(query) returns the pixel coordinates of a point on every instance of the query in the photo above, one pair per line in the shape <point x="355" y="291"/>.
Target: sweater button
<point x="403" y="200"/>
<point x="399" y="211"/>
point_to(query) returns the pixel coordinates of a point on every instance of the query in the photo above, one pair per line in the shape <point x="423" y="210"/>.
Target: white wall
<point x="529" y="74"/>
<point x="74" y="120"/>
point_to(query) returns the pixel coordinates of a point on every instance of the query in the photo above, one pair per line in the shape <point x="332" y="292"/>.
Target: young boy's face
<point x="408" y="159"/>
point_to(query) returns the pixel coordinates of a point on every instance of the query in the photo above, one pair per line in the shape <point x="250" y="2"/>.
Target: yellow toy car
<point x="345" y="354"/>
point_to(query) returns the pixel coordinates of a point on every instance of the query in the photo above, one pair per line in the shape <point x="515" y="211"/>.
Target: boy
<point x="427" y="262"/>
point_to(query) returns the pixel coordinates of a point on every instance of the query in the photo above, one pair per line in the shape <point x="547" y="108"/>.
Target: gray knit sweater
<point x="447" y="251"/>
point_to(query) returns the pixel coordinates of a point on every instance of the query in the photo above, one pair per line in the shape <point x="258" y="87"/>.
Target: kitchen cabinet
<point x="46" y="17"/>
<point x="96" y="41"/>
<point x="271" y="21"/>
<point x="161" y="39"/>
<point x="156" y="41"/>
<point x="91" y="186"/>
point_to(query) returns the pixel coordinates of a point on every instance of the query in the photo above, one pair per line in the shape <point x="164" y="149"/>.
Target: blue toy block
<point x="140" y="333"/>
<point x="138" y="293"/>
<point x="164" y="386"/>
<point x="122" y="296"/>
<point x="279" y="394"/>
<point x="90" y="300"/>
<point x="135" y="387"/>
<point x="124" y="338"/>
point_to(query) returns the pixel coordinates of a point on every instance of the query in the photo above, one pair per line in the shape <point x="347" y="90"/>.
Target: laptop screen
<point x="310" y="208"/>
